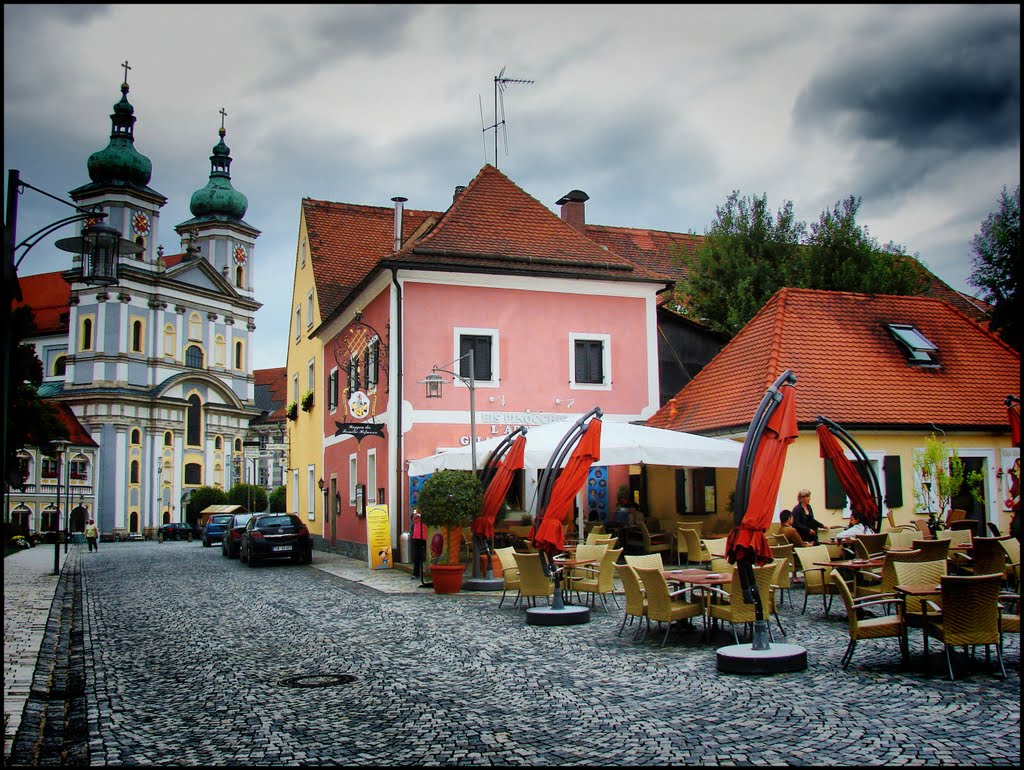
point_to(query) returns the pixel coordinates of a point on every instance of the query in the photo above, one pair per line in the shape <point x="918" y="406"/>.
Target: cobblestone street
<point x="193" y="659"/>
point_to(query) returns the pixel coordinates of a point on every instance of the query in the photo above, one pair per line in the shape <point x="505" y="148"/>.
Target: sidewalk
<point x="29" y="588"/>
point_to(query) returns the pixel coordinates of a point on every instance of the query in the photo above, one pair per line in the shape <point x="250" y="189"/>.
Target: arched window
<point x="136" y="436"/>
<point x="141" y="256"/>
<point x="194" y="421"/>
<point x="240" y="277"/>
<point x="170" y="341"/>
<point x="85" y="341"/>
<point x="194" y="357"/>
<point x="133" y="477"/>
<point x="60" y="366"/>
<point x="137" y="336"/>
<point x="168" y="439"/>
<point x="133" y="522"/>
<point x="195" y="327"/>
<point x="78" y="468"/>
<point x="238" y="445"/>
<point x="193" y="473"/>
<point x="219" y="350"/>
<point x="239" y="356"/>
<point x="218" y="443"/>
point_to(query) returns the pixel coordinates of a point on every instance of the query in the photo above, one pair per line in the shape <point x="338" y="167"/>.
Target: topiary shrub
<point x="450" y="499"/>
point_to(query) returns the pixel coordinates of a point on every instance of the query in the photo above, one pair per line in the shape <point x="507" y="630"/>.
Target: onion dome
<point x="120" y="161"/>
<point x="219" y="198"/>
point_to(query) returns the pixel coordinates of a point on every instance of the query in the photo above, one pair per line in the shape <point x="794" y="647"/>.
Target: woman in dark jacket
<point x="803" y="517"/>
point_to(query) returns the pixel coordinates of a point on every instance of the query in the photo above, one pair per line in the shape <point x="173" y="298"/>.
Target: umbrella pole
<point x="752" y="596"/>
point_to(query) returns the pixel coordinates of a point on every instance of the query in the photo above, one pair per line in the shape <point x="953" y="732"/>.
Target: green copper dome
<point x="219" y="197"/>
<point x="119" y="161"/>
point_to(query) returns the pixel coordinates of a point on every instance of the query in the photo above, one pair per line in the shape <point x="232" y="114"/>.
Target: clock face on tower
<point x="140" y="223"/>
<point x="240" y="255"/>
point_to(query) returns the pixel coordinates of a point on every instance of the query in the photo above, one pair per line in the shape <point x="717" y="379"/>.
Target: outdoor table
<point x="852" y="564"/>
<point x="697" y="577"/>
<point x="920" y="590"/>
<point x="568" y="564"/>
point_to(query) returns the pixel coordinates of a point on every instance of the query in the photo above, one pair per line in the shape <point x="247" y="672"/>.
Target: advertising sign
<point x="378" y="537"/>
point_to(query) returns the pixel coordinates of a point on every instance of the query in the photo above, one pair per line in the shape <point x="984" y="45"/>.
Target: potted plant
<point x="940" y="474"/>
<point x="450" y="499"/>
<point x="307" y="401"/>
<point x="292" y="412"/>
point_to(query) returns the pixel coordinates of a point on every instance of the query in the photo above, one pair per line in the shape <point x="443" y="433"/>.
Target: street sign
<point x="252" y="453"/>
<point x="276" y="447"/>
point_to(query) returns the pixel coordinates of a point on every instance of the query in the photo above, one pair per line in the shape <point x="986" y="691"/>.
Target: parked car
<point x="175" y="530"/>
<point x="214" y="530"/>
<point x="231" y="543"/>
<point x="275" y="536"/>
<point x="132" y="536"/>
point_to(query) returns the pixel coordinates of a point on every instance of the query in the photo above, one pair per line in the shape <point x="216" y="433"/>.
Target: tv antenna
<point x="500" y="84"/>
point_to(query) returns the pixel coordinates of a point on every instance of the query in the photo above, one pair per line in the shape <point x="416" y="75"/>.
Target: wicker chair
<point x="884" y="627"/>
<point x="636" y="601"/>
<point x="637" y="560"/>
<point x="781" y="565"/>
<point x="509" y="572"/>
<point x="664" y="606"/>
<point x="783" y="581"/>
<point x="923" y="528"/>
<point x="901" y="538"/>
<point x="969" y="616"/>
<point x="932" y="549"/>
<point x="654" y="543"/>
<point x="988" y="557"/>
<point x="1012" y="547"/>
<point x="817" y="580"/>
<point x="722" y="565"/>
<point x="533" y="582"/>
<point x="733" y="608"/>
<point x="884" y="582"/>
<point x="599" y="580"/>
<point x="715" y="545"/>
<point x="868" y="546"/>
<point x="681" y="547"/>
<point x="918" y="572"/>
<point x="601" y="538"/>
<point x="696" y="553"/>
<point x="955" y="536"/>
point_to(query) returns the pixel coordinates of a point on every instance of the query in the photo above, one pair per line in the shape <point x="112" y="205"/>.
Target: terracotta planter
<point x="447" y="578"/>
<point x="495" y="565"/>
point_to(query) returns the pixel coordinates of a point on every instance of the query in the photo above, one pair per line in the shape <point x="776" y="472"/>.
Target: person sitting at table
<point x="857" y="527"/>
<point x="803" y="518"/>
<point x="788" y="531"/>
<point x="636" y="516"/>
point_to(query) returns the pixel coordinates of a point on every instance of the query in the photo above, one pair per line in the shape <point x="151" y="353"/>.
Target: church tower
<point x="217" y="231"/>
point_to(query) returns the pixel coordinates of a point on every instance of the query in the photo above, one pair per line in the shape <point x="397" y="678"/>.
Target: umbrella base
<point x="572" y="615"/>
<point x="483" y="584"/>
<point x="744" y="659"/>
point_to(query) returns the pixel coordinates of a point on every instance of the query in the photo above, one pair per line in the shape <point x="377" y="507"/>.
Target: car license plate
<point x="282" y="548"/>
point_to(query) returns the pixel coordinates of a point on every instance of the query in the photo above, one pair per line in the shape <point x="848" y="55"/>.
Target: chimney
<point x="398" y="201"/>
<point x="459" y="189"/>
<point x="573" y="209"/>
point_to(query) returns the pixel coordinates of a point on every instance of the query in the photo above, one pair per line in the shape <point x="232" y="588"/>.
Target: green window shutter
<point x="680" y="490"/>
<point x="893" y="481"/>
<point x="835" y="497"/>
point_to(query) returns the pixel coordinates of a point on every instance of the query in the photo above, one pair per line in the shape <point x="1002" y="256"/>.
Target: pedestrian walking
<point x="92" y="536"/>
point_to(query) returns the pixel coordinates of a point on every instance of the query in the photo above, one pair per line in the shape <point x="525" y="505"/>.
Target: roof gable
<point x="48" y="295"/>
<point x="201" y="274"/>
<point x="271" y="392"/>
<point x="850" y="369"/>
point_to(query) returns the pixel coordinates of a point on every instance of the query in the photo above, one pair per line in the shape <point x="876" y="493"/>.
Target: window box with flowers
<point x="292" y="413"/>
<point x="307" y="401"/>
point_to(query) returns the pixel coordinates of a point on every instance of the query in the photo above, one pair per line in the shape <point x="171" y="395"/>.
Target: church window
<point x="137" y="336"/>
<point x="60" y="366"/>
<point x="193" y="421"/>
<point x="85" y="340"/>
<point x="195" y="327"/>
<point x="239" y="355"/>
<point x="134" y="476"/>
<point x="218" y="350"/>
<point x="194" y="357"/>
<point x="136" y="437"/>
<point x="170" y="341"/>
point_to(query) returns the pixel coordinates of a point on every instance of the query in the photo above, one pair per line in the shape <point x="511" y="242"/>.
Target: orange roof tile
<point x="48" y="294"/>
<point x="275" y="400"/>
<point x="346" y="241"/>
<point x="77" y="434"/>
<point x="493" y="225"/>
<point x="657" y="250"/>
<point x="849" y="368"/>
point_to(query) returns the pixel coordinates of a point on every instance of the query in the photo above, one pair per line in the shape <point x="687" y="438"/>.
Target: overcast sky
<point x="657" y="112"/>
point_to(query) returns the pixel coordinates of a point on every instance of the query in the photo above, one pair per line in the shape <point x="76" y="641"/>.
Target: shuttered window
<point x="589" y="357"/>
<point x="480" y="345"/>
<point x="893" y="481"/>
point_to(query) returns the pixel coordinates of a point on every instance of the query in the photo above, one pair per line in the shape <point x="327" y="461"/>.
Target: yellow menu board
<point x="378" y="537"/>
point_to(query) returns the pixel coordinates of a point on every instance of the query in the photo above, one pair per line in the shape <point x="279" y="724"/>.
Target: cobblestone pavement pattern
<point x="188" y="655"/>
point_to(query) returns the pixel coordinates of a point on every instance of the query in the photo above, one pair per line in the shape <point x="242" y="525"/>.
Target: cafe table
<point x="697" y="577"/>
<point x="920" y="590"/>
<point x="568" y="564"/>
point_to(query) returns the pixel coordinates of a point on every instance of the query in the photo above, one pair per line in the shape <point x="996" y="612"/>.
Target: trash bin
<point x="404" y="548"/>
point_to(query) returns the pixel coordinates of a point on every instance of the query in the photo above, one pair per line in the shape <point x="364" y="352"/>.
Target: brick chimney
<point x="573" y="208"/>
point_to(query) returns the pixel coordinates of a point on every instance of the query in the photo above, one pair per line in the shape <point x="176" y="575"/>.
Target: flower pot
<point x="447" y="578"/>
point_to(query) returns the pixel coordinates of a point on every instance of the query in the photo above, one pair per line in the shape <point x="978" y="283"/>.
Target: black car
<point x="215" y="528"/>
<point x="230" y="545"/>
<point x="276" y="536"/>
<point x="175" y="530"/>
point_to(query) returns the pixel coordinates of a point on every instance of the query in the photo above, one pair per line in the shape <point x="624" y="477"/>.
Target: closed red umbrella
<point x="1013" y="415"/>
<point x="548" y="535"/>
<point x="747" y="542"/>
<point x="497" y="488"/>
<point x="854" y="485"/>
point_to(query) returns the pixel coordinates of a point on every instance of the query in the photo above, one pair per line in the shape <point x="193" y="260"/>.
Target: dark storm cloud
<point x="953" y="84"/>
<point x="21" y="15"/>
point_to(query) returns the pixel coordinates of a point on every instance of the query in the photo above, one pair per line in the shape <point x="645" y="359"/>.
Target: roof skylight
<point x="917" y="348"/>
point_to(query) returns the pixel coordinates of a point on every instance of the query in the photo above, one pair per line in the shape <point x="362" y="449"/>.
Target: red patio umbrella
<point x="747" y="542"/>
<point x="497" y="488"/>
<point x="548" y="535"/>
<point x="853" y="483"/>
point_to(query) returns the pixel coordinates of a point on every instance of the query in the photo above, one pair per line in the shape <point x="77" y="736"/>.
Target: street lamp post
<point x="99" y="245"/>
<point x="250" y="442"/>
<point x="435" y="387"/>
<point x="61" y="445"/>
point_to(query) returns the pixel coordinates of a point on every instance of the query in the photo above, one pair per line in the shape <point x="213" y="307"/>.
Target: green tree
<point x="939" y="474"/>
<point x="450" y="499"/>
<point x="995" y="266"/>
<point x="843" y="256"/>
<point x="746" y="256"/>
<point x="201" y="499"/>
<point x="31" y="421"/>
<point x="252" y="496"/>
<point x="279" y="500"/>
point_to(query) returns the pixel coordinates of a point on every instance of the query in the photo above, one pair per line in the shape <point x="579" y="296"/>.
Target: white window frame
<point x="606" y="360"/>
<point x="295" y="490"/>
<point x="295" y="387"/>
<point x="311" y="375"/>
<point x="333" y="377"/>
<point x="371" y="477"/>
<point x="310" y="491"/>
<point x="309" y="310"/>
<point x="495" y="380"/>
<point x="298" y="321"/>
<point x="353" y="469"/>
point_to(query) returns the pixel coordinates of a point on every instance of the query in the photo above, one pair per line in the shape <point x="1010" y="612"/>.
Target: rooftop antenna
<point x="500" y="84"/>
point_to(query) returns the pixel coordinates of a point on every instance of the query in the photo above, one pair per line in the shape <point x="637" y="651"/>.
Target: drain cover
<point x="318" y="680"/>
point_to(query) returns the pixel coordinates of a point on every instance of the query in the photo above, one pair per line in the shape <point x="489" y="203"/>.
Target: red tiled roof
<point x="77" y="435"/>
<point x="276" y="380"/>
<point x="849" y="368"/>
<point x="657" y="250"/>
<point x="48" y="294"/>
<point x="494" y="225"/>
<point x="346" y="241"/>
<point x="170" y="260"/>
